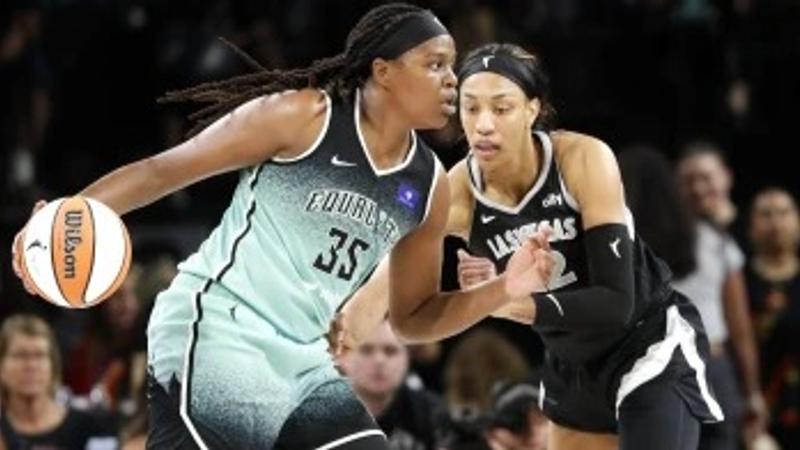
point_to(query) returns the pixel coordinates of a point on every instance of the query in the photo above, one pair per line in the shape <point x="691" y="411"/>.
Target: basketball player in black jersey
<point x="625" y="353"/>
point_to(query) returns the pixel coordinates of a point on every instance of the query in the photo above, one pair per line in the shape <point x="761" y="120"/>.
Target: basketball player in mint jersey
<point x="625" y="364"/>
<point x="331" y="180"/>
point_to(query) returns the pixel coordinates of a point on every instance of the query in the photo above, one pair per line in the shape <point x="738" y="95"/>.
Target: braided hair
<point x="339" y="75"/>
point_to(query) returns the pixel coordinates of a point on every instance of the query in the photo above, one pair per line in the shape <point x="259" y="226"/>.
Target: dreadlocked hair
<point x="339" y="75"/>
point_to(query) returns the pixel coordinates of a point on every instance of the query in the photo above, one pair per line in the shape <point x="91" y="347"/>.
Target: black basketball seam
<point x="94" y="250"/>
<point x="53" y="253"/>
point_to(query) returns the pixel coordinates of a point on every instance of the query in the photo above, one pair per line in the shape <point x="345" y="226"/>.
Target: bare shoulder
<point x="304" y="102"/>
<point x="590" y="172"/>
<point x="580" y="155"/>
<point x="458" y="175"/>
<point x="578" y="151"/>
<point x="293" y="117"/>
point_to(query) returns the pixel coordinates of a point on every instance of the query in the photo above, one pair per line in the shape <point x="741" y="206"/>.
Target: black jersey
<point x="588" y="374"/>
<point x="78" y="430"/>
<point x="498" y="230"/>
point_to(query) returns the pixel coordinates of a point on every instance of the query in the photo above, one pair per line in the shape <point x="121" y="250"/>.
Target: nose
<point x="485" y="123"/>
<point x="450" y="79"/>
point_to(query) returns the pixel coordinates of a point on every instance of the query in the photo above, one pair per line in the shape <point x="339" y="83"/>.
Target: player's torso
<point x="498" y="230"/>
<point x="308" y="231"/>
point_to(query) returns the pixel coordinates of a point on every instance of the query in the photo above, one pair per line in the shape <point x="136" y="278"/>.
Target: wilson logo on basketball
<point x="73" y="243"/>
<point x="72" y="239"/>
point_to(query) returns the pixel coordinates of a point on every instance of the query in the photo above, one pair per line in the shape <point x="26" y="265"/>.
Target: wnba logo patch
<point x="408" y="196"/>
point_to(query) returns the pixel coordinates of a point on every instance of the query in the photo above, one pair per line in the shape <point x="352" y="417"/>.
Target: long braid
<point x="339" y="75"/>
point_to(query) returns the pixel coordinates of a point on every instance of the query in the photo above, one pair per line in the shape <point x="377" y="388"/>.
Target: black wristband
<point x="608" y="300"/>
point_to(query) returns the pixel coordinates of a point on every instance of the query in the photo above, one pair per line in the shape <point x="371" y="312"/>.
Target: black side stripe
<point x="207" y="285"/>
<point x="193" y="344"/>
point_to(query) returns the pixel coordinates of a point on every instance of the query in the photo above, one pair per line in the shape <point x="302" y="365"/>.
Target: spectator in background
<point x="378" y="370"/>
<point x="100" y="362"/>
<point x="481" y="359"/>
<point x="717" y="287"/>
<point x="706" y="181"/>
<point x="30" y="374"/>
<point x="773" y="281"/>
<point x="516" y="422"/>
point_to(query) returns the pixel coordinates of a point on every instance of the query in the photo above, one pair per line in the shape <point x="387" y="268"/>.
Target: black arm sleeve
<point x="608" y="301"/>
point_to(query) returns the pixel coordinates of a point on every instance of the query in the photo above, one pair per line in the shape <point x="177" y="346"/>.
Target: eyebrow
<point x="440" y="54"/>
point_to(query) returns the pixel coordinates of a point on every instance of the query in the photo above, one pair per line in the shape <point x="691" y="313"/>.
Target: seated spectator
<point x="112" y="344"/>
<point x="515" y="420"/>
<point x="30" y="374"/>
<point x="378" y="369"/>
<point x="773" y="281"/>
<point x="481" y="359"/>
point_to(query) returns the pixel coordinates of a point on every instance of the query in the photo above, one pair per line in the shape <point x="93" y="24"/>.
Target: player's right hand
<point x="530" y="267"/>
<point x="17" y="252"/>
<point x="473" y="270"/>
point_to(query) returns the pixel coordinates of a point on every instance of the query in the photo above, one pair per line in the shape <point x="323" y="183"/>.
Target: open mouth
<point x="485" y="148"/>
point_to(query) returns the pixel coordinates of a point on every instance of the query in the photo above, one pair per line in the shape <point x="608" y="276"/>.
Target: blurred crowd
<point x="695" y="96"/>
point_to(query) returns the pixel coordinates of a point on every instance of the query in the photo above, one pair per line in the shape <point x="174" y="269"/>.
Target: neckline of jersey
<point x="547" y="149"/>
<point x="380" y="172"/>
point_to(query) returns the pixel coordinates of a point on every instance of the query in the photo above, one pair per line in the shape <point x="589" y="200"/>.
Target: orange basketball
<point x="76" y="252"/>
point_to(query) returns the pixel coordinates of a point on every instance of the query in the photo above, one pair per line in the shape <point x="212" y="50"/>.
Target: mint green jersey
<point x="301" y="235"/>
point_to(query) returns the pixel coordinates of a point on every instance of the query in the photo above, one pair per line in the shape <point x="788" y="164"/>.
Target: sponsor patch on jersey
<point x="408" y="196"/>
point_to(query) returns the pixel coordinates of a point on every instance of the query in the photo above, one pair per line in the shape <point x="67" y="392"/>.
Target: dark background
<point x="79" y="79"/>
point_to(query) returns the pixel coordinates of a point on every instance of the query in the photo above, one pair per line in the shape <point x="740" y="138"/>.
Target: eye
<point x="436" y="65"/>
<point x="500" y="110"/>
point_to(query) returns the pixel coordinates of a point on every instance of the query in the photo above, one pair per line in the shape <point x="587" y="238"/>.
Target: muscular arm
<point x="591" y="174"/>
<point x="255" y="131"/>
<point x="462" y="202"/>
<point x="366" y="309"/>
<point x="417" y="309"/>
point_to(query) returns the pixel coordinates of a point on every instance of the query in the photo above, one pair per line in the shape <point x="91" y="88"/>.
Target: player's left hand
<point x="473" y="270"/>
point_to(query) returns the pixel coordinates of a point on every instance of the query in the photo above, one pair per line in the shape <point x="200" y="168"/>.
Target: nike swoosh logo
<point x="341" y="163"/>
<point x="486" y="60"/>
<point x="615" y="248"/>
<point x="486" y="219"/>
<point x="553" y="299"/>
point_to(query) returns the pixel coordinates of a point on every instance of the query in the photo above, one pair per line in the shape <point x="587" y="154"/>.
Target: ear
<point x="534" y="107"/>
<point x="381" y="71"/>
